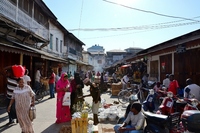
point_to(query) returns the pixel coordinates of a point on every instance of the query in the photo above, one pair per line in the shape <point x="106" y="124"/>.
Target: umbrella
<point x="127" y="65"/>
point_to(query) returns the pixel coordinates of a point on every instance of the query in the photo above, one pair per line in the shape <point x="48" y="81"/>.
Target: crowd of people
<point x="133" y="120"/>
<point x="19" y="90"/>
<point x="21" y="96"/>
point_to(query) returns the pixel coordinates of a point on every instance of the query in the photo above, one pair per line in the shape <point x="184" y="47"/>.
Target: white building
<point x="98" y="56"/>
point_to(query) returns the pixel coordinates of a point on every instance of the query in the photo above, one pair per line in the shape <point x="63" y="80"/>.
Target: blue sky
<point x="165" y="19"/>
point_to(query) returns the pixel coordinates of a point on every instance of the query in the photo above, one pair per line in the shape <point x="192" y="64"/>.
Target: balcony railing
<point x="10" y="11"/>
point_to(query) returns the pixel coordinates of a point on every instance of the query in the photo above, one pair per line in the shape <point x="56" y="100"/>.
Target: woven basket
<point x="65" y="129"/>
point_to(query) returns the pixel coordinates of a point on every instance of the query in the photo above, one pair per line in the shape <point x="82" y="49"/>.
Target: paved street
<point x="46" y="111"/>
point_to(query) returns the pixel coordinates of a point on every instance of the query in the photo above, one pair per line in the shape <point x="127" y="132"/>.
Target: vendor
<point x="95" y="93"/>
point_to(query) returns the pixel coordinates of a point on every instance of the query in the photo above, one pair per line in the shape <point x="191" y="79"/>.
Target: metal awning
<point x="16" y="49"/>
<point x="80" y="62"/>
<point x="43" y="54"/>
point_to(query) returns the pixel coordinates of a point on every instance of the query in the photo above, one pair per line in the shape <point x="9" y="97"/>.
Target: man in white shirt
<point x="191" y="90"/>
<point x="136" y="117"/>
<point x="124" y="81"/>
<point x="37" y="79"/>
<point x="166" y="81"/>
<point x="26" y="78"/>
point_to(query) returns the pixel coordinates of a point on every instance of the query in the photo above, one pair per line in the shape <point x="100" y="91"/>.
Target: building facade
<point x="99" y="57"/>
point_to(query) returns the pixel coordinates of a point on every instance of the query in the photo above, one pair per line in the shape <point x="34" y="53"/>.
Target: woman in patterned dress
<point x="62" y="112"/>
<point x="24" y="97"/>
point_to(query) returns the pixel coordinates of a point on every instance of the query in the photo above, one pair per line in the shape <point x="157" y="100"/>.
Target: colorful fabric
<point x="62" y="112"/>
<point x="23" y="98"/>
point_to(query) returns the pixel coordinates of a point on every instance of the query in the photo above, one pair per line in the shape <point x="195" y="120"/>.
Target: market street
<point x="46" y="116"/>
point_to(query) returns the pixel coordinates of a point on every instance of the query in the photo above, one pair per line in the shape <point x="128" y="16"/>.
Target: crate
<point x="115" y="92"/>
<point x="116" y="88"/>
<point x="79" y="125"/>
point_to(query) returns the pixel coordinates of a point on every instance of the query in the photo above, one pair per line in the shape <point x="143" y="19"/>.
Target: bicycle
<point x="40" y="93"/>
<point x="136" y="89"/>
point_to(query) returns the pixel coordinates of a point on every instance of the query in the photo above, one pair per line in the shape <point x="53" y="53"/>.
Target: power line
<point x="80" y="16"/>
<point x="130" y="33"/>
<point x="144" y="27"/>
<point x="159" y="14"/>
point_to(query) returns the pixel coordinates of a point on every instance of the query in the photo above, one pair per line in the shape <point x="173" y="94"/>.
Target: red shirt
<point x="173" y="86"/>
<point x="52" y="78"/>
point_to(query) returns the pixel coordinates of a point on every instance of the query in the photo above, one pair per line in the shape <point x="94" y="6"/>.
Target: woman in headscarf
<point x="76" y="89"/>
<point x="62" y="112"/>
<point x="23" y="96"/>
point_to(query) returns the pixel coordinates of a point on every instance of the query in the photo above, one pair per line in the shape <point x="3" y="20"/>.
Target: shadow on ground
<point x="6" y="126"/>
<point x="54" y="127"/>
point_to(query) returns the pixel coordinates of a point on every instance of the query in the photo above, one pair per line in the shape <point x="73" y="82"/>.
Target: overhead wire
<point x="144" y="27"/>
<point x="80" y="16"/>
<point x="164" y="15"/>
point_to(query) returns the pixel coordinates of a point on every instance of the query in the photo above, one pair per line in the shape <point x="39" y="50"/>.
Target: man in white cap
<point x="95" y="93"/>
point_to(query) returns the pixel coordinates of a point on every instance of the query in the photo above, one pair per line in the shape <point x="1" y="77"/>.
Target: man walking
<point x="52" y="84"/>
<point x="11" y="84"/>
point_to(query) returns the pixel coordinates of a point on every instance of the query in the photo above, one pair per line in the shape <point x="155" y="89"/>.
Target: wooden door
<point x="165" y="65"/>
<point x="7" y="59"/>
<point x="154" y="69"/>
<point x="186" y="65"/>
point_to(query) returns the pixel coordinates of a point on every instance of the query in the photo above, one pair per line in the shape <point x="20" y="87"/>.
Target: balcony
<point x="11" y="12"/>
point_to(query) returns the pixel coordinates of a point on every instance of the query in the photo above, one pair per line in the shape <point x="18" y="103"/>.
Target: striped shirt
<point x="11" y="84"/>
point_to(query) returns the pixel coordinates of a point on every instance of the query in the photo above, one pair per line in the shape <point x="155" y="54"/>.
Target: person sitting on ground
<point x="132" y="99"/>
<point x="95" y="93"/>
<point x="137" y="121"/>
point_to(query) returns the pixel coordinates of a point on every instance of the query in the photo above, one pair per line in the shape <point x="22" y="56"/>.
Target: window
<point x="13" y="1"/>
<point x="41" y="18"/>
<point x="72" y="51"/>
<point x="99" y="61"/>
<point x="51" y="41"/>
<point x="26" y="5"/>
<point x="56" y="44"/>
<point x="60" y="46"/>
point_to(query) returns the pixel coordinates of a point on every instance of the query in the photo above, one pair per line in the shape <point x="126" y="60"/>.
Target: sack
<point x="66" y="99"/>
<point x="32" y="113"/>
<point x="18" y="70"/>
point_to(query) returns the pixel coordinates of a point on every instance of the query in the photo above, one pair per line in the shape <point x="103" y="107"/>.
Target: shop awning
<point x="81" y="63"/>
<point x="72" y="61"/>
<point x="16" y="49"/>
<point x="43" y="54"/>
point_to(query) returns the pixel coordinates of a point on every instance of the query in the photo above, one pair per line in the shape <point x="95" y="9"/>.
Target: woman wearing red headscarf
<point x="62" y="112"/>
